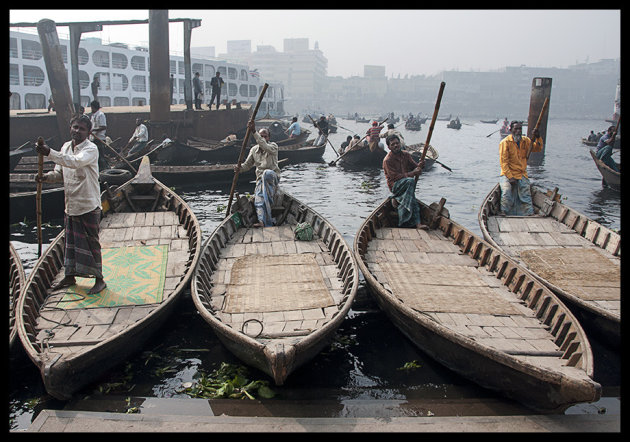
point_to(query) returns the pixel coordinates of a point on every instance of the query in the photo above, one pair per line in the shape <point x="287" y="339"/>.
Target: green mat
<point x="134" y="276"/>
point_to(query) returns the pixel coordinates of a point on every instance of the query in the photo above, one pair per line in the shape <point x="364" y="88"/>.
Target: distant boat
<point x="490" y="121"/>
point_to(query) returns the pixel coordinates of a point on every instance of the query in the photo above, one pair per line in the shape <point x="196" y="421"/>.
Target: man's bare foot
<point x="98" y="287"/>
<point x="422" y="227"/>
<point x="67" y="281"/>
<point x="258" y="224"/>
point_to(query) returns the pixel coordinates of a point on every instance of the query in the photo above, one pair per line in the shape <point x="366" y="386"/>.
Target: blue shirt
<point x="603" y="140"/>
<point x="294" y="129"/>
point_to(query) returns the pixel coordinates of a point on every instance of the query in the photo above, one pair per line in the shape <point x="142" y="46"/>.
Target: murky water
<point x="365" y="360"/>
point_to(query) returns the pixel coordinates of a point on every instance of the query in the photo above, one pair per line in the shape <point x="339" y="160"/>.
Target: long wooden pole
<point x="38" y="201"/>
<point x="331" y="145"/>
<point x="245" y="140"/>
<point x="542" y="111"/>
<point x="435" y="114"/>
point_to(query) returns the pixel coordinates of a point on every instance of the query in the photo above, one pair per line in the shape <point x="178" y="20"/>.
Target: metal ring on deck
<point x="250" y="320"/>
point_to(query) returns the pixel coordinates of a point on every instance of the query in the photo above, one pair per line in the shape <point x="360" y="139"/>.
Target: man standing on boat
<point x="216" y="84"/>
<point x="391" y="130"/>
<point x="264" y="156"/>
<point x="197" y="91"/>
<point x="605" y="149"/>
<point x="139" y="138"/>
<point x="516" y="197"/>
<point x="76" y="166"/>
<point x="401" y="172"/>
<point x="322" y="126"/>
<point x="373" y="136"/>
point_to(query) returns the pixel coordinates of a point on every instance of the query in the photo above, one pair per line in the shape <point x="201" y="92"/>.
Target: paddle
<point x="612" y="139"/>
<point x="38" y="200"/>
<point x="542" y="111"/>
<point x="240" y="157"/>
<point x="332" y="163"/>
<point x="435" y="114"/>
<point x="333" y="147"/>
<point x="493" y="133"/>
<point x="119" y="156"/>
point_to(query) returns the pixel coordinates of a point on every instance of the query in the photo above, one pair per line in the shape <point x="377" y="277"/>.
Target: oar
<point x="240" y="157"/>
<point x="119" y="156"/>
<point x="435" y="114"/>
<point x="332" y="163"/>
<point x="493" y="133"/>
<point x="38" y="201"/>
<point x="615" y="132"/>
<point x="331" y="145"/>
<point x="542" y="111"/>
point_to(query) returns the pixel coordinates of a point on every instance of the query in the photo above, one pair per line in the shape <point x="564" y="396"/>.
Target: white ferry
<point x="123" y="72"/>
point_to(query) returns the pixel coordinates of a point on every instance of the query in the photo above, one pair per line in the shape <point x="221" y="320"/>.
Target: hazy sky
<point x="405" y="41"/>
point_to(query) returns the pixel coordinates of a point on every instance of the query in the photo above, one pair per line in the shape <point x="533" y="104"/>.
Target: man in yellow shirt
<point x="516" y="197"/>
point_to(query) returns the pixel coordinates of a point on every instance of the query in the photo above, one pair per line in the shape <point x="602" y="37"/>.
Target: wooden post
<point x="159" y="66"/>
<point x="541" y="91"/>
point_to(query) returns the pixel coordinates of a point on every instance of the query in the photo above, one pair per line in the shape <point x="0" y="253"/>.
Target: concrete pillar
<point x="159" y="67"/>
<point x="188" y="27"/>
<point x="541" y="90"/>
<point x="57" y="76"/>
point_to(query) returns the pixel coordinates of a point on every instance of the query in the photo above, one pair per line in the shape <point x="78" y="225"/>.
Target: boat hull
<point x="611" y="177"/>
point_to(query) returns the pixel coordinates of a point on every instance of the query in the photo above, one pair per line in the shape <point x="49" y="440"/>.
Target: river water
<point x="363" y="364"/>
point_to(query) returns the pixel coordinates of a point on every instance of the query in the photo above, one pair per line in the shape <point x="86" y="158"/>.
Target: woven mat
<point x="579" y="271"/>
<point x="268" y="283"/>
<point x="443" y="288"/>
<point x="134" y="276"/>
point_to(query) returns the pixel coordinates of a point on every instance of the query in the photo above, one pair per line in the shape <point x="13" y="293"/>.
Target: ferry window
<point x="35" y="101"/>
<point x="119" y="61"/>
<point x="121" y="101"/>
<point x="104" y="82"/>
<point x="84" y="79"/>
<point x="83" y="56"/>
<point x="197" y="67"/>
<point x="207" y="89"/>
<point x="232" y="73"/>
<point x="222" y="70"/>
<point x="136" y="101"/>
<point x="101" y="59"/>
<point x="13" y="51"/>
<point x="252" y="91"/>
<point x="14" y="74"/>
<point x="208" y="70"/>
<point x="242" y="90"/>
<point x="105" y="101"/>
<point x="15" y="101"/>
<point x="232" y="89"/>
<point x="138" y="83"/>
<point x="181" y="86"/>
<point x="31" y="50"/>
<point x="85" y="101"/>
<point x="243" y="75"/>
<point x="138" y="63"/>
<point x="119" y="82"/>
<point x="173" y="67"/>
<point x="33" y="76"/>
<point x="180" y="68"/>
<point x="64" y="53"/>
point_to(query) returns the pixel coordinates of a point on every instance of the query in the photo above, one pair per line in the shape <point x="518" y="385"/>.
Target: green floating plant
<point x="410" y="365"/>
<point x="228" y="381"/>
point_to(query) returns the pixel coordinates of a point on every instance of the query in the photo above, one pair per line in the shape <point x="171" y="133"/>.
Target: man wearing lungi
<point x="401" y="172"/>
<point x="264" y="156"/>
<point x="516" y="197"/>
<point x="76" y="166"/>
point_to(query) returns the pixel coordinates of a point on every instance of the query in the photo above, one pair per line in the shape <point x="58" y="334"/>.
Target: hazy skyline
<point x="405" y="41"/>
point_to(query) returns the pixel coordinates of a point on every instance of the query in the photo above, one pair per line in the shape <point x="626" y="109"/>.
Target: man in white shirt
<point x="76" y="166"/>
<point x="99" y="122"/>
<point x="264" y="156"/>
<point x="140" y="138"/>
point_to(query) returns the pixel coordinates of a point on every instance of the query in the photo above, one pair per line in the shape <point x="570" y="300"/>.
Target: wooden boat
<point x="74" y="339"/>
<point x="576" y="257"/>
<point x="473" y="309"/>
<point x="16" y="284"/>
<point x="416" y="152"/>
<point x="274" y="301"/>
<point x="610" y="177"/>
<point x="445" y="118"/>
<point x="198" y="174"/>
<point x="586" y="142"/>
<point x="454" y="124"/>
<point x="364" y="158"/>
<point x="413" y="124"/>
<point x="15" y="155"/>
<point x="490" y="121"/>
<point x="23" y="204"/>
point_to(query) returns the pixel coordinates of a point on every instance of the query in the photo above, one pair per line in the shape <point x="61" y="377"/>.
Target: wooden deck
<point x="563" y="257"/>
<point x="429" y="273"/>
<point x="72" y="331"/>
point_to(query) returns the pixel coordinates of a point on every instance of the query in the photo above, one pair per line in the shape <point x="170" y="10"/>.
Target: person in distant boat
<point x="140" y="138"/>
<point x="294" y="129"/>
<point x="216" y="84"/>
<point x="373" y="136"/>
<point x="592" y="136"/>
<point x="401" y="171"/>
<point x="76" y="166"/>
<point x="605" y="149"/>
<point x="198" y="91"/>
<point x="345" y="144"/>
<point x="391" y="130"/>
<point x="322" y="126"/>
<point x="516" y="197"/>
<point x="263" y="156"/>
